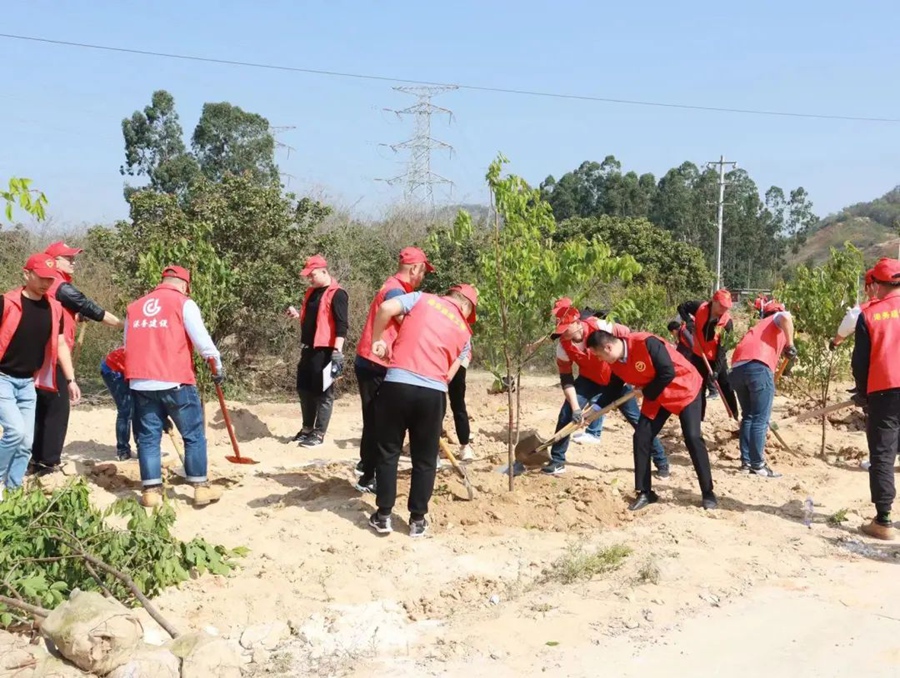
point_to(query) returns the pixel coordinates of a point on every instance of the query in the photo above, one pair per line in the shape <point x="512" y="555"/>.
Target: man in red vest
<point x="323" y="328"/>
<point x="52" y="417"/>
<point x="426" y="353"/>
<point x="877" y="375"/>
<point x="711" y="320"/>
<point x="32" y="346"/>
<point x="112" y="370"/>
<point x="162" y="330"/>
<point x="754" y="362"/>
<point x="590" y="386"/>
<point x="669" y="385"/>
<point x="369" y="368"/>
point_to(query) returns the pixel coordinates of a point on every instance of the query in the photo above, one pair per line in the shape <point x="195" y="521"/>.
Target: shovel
<point x="237" y="458"/>
<point x="718" y="388"/>
<point x="526" y="447"/>
<point x="470" y="490"/>
<point x="825" y="410"/>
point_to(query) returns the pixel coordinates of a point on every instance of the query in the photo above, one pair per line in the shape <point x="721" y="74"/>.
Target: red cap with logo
<point x="413" y="255"/>
<point x="565" y="318"/>
<point x="60" y="249"/>
<point x="314" y="262"/>
<point x="723" y="296"/>
<point x="870" y="276"/>
<point x="887" y="271"/>
<point x="561" y="307"/>
<point x="177" y="272"/>
<point x="42" y="265"/>
<point x="773" y="306"/>
<point x="469" y="293"/>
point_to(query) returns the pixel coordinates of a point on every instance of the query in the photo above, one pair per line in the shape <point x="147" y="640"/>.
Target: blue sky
<point x="61" y="107"/>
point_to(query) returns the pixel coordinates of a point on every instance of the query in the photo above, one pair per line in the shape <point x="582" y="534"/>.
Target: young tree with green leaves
<point x="818" y="298"/>
<point x="520" y="274"/>
<point x="20" y="194"/>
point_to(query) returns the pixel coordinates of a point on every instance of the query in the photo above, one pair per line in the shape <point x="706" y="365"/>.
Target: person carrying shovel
<point x="670" y="385"/>
<point x="754" y="362"/>
<point x="590" y="386"/>
<point x="161" y="331"/>
<point x="876" y="372"/>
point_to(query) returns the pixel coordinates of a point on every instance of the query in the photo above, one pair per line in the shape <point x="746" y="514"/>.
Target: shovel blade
<point x="241" y="460"/>
<point x="525" y="450"/>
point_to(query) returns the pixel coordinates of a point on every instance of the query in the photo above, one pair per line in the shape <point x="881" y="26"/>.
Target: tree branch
<point x="25" y="607"/>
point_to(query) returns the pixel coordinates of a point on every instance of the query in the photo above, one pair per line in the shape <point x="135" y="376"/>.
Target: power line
<point x="473" y="88"/>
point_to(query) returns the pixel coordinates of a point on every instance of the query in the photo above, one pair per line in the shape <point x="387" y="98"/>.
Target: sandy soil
<point x="748" y="590"/>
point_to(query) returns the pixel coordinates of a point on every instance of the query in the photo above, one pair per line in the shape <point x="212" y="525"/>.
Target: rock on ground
<point x="204" y="656"/>
<point x="149" y="662"/>
<point x="267" y="636"/>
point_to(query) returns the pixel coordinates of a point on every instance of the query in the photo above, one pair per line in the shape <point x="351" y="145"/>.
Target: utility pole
<point x="419" y="178"/>
<point x="720" y="211"/>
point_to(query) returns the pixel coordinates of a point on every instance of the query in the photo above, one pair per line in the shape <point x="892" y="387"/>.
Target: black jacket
<point x="73" y="300"/>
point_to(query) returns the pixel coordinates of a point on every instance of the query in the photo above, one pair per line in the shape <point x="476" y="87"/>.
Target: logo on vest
<point x="151" y="307"/>
<point x="640" y="366"/>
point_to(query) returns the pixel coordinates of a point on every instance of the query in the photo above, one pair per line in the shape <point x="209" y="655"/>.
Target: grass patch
<point x="577" y="564"/>
<point x="648" y="573"/>
<point x="838" y="517"/>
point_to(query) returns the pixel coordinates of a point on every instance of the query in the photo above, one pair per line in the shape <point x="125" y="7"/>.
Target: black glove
<point x="860" y="400"/>
<point x="219" y="376"/>
<point x="831" y="345"/>
<point x="167" y="425"/>
<point x="337" y="363"/>
<point x="577" y="416"/>
<point x="789" y="352"/>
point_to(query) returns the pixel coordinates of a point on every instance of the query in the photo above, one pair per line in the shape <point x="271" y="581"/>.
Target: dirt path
<point x="748" y="590"/>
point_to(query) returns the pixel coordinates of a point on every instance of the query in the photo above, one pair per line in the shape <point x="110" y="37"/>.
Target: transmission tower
<point x="275" y="131"/>
<point x="419" y="178"/>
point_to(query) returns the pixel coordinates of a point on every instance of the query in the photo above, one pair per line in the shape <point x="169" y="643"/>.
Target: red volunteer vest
<point x="701" y="346"/>
<point x="638" y="370"/>
<point x="157" y="345"/>
<point x="325" y="330"/>
<point x="432" y="336"/>
<point x="68" y="317"/>
<point x="115" y="359"/>
<point x="764" y="343"/>
<point x="364" y="346"/>
<point x="45" y="378"/>
<point x="883" y="321"/>
<point x="589" y="366"/>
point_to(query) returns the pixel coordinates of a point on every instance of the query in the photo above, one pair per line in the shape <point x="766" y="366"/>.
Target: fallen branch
<point x="25" y="607"/>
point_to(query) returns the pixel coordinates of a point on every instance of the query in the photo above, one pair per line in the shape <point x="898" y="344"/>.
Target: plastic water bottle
<point x="808" y="512"/>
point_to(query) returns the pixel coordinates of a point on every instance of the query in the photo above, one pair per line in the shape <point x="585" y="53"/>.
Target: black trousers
<point x="724" y="384"/>
<point x="315" y="404"/>
<point x="51" y="422"/>
<point x="647" y="429"/>
<point x="883" y="434"/>
<point x="456" y="389"/>
<point x="369" y="381"/>
<point x="400" y="408"/>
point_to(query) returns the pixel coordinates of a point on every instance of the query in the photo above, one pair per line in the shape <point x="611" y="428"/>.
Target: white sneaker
<point x="864" y="465"/>
<point x="466" y="453"/>
<point x="584" y="438"/>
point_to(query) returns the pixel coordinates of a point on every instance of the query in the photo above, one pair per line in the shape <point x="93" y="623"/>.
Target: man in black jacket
<point x="52" y="414"/>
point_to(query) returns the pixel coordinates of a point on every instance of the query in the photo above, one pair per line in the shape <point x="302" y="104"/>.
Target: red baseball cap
<point x="561" y="306"/>
<point x="870" y="276"/>
<point x="723" y="296"/>
<point x="413" y="255"/>
<point x="42" y="265"/>
<point x="887" y="271"/>
<point x="468" y="292"/>
<point x="566" y="317"/>
<point x="314" y="262"/>
<point x="60" y="249"/>
<point x="177" y="272"/>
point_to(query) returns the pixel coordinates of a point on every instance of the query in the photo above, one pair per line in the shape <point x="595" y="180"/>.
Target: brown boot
<point x="204" y="494"/>
<point x="151" y="496"/>
<point x="878" y="530"/>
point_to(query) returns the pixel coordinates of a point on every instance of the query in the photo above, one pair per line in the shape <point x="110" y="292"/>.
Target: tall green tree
<point x="229" y="140"/>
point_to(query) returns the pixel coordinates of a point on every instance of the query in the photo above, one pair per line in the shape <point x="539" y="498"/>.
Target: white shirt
<point x="196" y="330"/>
<point x="561" y="354"/>
<point x="848" y="324"/>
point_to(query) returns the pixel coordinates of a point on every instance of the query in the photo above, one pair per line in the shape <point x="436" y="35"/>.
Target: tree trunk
<point x="510" y="448"/>
<point x="826" y="387"/>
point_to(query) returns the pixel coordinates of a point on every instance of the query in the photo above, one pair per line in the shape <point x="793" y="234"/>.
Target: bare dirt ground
<point x="748" y="590"/>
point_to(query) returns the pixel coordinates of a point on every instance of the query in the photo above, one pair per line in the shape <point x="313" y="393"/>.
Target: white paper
<point x="327" y="379"/>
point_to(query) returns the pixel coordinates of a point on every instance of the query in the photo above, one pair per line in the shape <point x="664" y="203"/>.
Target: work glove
<point x="831" y="345"/>
<point x="337" y="363"/>
<point x="578" y="416"/>
<point x="167" y="425"/>
<point x="790" y="352"/>
<point x="219" y="375"/>
<point x="860" y="400"/>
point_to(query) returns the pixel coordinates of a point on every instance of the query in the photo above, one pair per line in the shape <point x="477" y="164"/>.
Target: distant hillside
<point x="874" y="227"/>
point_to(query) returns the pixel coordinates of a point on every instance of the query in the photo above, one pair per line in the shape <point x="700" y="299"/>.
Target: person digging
<point x="670" y="385"/>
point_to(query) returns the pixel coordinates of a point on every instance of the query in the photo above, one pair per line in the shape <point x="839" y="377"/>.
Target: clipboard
<point x="327" y="379"/>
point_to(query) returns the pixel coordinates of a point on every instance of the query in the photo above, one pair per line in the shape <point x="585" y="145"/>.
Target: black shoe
<point x="301" y="436"/>
<point x="41" y="470"/>
<point x="367" y="485"/>
<point x="710" y="503"/>
<point x="643" y="499"/>
<point x="663" y="472"/>
<point x="123" y="456"/>
<point x="312" y="440"/>
<point x="554" y="468"/>
<point x="712" y="395"/>
<point x="359" y="470"/>
<point x="381" y="524"/>
<point x="765" y="472"/>
<point x="745" y="468"/>
<point x="418" y="528"/>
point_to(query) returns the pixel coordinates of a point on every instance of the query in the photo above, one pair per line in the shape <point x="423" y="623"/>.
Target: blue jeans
<point x="182" y="406"/>
<point x="754" y="385"/>
<point x="125" y="420"/>
<point x="589" y="391"/>
<point x="18" y="401"/>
